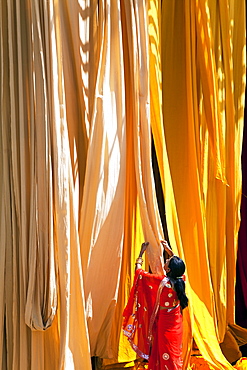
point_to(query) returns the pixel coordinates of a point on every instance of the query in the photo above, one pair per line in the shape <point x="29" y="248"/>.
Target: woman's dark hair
<point x="177" y="268"/>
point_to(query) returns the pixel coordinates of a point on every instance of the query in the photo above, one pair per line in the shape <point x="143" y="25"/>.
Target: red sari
<point x="153" y="321"/>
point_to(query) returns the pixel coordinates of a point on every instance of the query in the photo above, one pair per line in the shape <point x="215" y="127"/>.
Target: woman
<point x="152" y="317"/>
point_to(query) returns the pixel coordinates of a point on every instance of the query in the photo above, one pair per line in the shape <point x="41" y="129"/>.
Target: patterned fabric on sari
<point x="153" y="321"/>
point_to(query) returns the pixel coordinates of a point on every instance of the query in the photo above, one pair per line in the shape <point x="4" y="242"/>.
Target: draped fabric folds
<point x="42" y="281"/>
<point x="203" y="118"/>
<point x="86" y="88"/>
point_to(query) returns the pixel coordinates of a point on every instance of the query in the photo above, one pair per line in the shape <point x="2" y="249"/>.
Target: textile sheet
<point x="85" y="87"/>
<point x="203" y="120"/>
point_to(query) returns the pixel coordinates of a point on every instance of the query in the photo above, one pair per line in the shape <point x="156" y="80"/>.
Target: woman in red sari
<point x="153" y="315"/>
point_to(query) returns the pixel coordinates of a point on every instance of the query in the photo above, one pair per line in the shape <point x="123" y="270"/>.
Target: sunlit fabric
<point x="86" y="88"/>
<point x="42" y="307"/>
<point x="203" y="122"/>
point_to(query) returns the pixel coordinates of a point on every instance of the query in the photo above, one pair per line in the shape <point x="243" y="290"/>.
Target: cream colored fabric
<point x="138" y="53"/>
<point x="102" y="213"/>
<point x="39" y="210"/>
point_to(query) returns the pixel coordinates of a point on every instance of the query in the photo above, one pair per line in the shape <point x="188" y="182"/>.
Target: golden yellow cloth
<point x="203" y="122"/>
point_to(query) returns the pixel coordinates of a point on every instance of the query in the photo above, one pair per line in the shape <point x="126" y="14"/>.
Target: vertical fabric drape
<point x="203" y="122"/>
<point x="42" y="282"/>
<point x="156" y="44"/>
<point x="102" y="213"/>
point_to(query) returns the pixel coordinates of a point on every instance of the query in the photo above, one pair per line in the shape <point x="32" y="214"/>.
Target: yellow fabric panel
<point x="178" y="114"/>
<point x="213" y="189"/>
<point x="221" y="209"/>
<point x="203" y="55"/>
<point x="156" y="113"/>
<point x="199" y="135"/>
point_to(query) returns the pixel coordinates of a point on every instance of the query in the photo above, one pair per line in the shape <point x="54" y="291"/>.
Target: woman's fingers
<point x="145" y="244"/>
<point x="164" y="243"/>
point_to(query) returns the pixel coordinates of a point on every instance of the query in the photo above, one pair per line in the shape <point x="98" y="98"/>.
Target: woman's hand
<point x="166" y="247"/>
<point x="143" y="248"/>
<point x="139" y="260"/>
